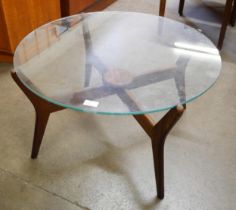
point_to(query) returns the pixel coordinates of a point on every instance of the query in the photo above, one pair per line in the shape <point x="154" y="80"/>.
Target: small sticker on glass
<point x="91" y="103"/>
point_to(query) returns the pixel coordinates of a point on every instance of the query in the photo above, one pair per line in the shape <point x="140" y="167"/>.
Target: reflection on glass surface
<point x="196" y="48"/>
<point x="117" y="63"/>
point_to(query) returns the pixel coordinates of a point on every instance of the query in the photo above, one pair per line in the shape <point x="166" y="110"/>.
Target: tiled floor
<point x="105" y="162"/>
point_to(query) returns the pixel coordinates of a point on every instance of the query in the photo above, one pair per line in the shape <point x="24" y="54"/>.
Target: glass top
<point x="117" y="63"/>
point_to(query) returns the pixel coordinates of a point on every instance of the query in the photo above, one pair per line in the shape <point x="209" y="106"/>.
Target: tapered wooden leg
<point x="162" y="7"/>
<point x="158" y="158"/>
<point x="41" y="120"/>
<point x="43" y="109"/>
<point x="226" y="18"/>
<point x="181" y="7"/>
<point x="158" y="133"/>
<point x="233" y="15"/>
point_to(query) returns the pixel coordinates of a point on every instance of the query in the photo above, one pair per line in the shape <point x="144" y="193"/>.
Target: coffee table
<point x="116" y="63"/>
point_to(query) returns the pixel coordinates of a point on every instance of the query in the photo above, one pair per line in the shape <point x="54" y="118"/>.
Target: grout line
<point x="43" y="189"/>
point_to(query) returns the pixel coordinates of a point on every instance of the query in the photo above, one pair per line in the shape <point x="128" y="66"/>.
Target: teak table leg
<point x="43" y="110"/>
<point x="162" y="7"/>
<point x="40" y="126"/>
<point x="226" y="19"/>
<point x="181" y="7"/>
<point x="233" y="15"/>
<point x="158" y="133"/>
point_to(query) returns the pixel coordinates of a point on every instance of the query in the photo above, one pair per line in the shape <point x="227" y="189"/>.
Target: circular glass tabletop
<point x="117" y="63"/>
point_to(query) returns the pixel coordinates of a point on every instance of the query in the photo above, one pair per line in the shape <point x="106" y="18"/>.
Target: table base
<point x="156" y="131"/>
